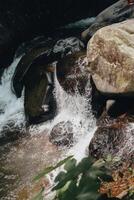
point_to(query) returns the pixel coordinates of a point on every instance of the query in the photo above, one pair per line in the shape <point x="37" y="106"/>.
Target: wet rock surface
<point x="113" y="137"/>
<point x="62" y="134"/>
<point x="22" y="158"/>
<point x="35" y="72"/>
<point x="71" y="73"/>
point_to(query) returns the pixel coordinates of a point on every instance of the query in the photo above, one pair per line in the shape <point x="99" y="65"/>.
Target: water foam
<point x="11" y="108"/>
<point x="76" y="109"/>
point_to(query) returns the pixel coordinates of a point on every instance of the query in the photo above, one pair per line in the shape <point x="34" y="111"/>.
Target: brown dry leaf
<point x="123" y="183"/>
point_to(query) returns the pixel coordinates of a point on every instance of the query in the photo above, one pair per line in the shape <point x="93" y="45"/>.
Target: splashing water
<point x="73" y="108"/>
<point x="11" y="108"/>
<point x="76" y="109"/>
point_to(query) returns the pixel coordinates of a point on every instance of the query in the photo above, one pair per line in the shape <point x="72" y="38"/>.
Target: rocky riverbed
<point x="71" y="93"/>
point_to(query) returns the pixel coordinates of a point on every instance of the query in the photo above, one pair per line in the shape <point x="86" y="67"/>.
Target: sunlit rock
<point x="110" y="55"/>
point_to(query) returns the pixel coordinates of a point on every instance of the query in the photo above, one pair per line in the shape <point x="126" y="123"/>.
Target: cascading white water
<point x="11" y="108"/>
<point x="74" y="108"/>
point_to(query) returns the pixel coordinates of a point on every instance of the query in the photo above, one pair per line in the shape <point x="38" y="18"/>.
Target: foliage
<point x="78" y="181"/>
<point x="81" y="181"/>
<point x="88" y="180"/>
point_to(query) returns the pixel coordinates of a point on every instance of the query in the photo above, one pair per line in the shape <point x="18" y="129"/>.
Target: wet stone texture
<point x="113" y="137"/>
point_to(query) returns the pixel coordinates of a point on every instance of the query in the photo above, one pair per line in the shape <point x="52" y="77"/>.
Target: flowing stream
<point x="22" y="159"/>
<point x="74" y="108"/>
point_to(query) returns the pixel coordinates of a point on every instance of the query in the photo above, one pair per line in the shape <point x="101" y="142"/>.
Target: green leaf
<point x="60" y="177"/>
<point x="63" y="161"/>
<point x="51" y="168"/>
<point x="70" y="164"/>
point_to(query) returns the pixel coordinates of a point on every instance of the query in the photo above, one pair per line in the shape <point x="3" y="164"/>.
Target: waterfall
<point x="11" y="108"/>
<point x="74" y="108"/>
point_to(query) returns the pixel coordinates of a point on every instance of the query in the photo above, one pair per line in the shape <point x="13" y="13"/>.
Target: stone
<point x="68" y="46"/>
<point x="35" y="72"/>
<point x="110" y="54"/>
<point x="113" y="137"/>
<point x="117" y="12"/>
<point x="71" y="73"/>
<point x="62" y="134"/>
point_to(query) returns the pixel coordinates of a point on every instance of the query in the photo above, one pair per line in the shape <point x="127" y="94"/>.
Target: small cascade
<point x="11" y="108"/>
<point x="77" y="110"/>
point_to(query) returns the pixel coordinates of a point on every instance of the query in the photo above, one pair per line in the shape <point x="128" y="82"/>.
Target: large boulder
<point x="38" y="55"/>
<point x="110" y="54"/>
<point x="39" y="101"/>
<point x="35" y="72"/>
<point x="113" y="137"/>
<point x="118" y="12"/>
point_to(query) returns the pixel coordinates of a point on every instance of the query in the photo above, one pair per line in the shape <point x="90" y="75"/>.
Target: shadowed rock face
<point x="71" y="73"/>
<point x="22" y="20"/>
<point x="35" y="73"/>
<point x="38" y="57"/>
<point x="62" y="134"/>
<point x="113" y="137"/>
<point x="118" y="12"/>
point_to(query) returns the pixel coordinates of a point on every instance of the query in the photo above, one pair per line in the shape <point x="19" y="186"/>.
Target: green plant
<point x="78" y="181"/>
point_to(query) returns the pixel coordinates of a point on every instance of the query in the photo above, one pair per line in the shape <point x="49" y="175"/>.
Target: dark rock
<point x="28" y="19"/>
<point x="118" y="12"/>
<point x="36" y="43"/>
<point x="42" y="55"/>
<point x="11" y="132"/>
<point x="119" y="104"/>
<point x="113" y="137"/>
<point x="39" y="101"/>
<point x="38" y="91"/>
<point x="71" y="73"/>
<point x="31" y="72"/>
<point x="25" y="65"/>
<point x="122" y="106"/>
<point x="62" y="134"/>
<point x="98" y="101"/>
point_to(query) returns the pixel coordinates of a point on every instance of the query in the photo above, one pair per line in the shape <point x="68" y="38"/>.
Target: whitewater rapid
<point x="11" y="108"/>
<point x="74" y="108"/>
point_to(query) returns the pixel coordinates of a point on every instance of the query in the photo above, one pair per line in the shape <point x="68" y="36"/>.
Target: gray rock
<point x="113" y="137"/>
<point x="62" y="134"/>
<point x="118" y="12"/>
